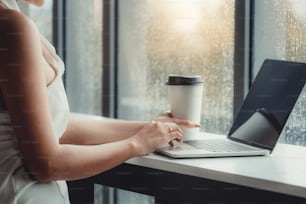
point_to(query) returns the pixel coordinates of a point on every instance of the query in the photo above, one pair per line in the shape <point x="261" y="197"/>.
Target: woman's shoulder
<point x="18" y="35"/>
<point x="12" y="20"/>
<point x="16" y="30"/>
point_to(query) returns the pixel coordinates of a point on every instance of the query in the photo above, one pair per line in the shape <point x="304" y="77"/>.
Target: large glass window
<point x="280" y="33"/>
<point x="162" y="37"/>
<point x="83" y="55"/>
<point x="82" y="49"/>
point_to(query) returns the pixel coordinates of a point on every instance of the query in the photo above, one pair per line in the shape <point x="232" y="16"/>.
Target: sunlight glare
<point x="298" y="8"/>
<point x="187" y="14"/>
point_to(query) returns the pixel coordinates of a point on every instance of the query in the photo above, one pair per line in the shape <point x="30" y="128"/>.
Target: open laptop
<point x="261" y="119"/>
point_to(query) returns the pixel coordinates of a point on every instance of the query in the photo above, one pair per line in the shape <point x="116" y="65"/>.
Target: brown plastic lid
<point x="184" y="80"/>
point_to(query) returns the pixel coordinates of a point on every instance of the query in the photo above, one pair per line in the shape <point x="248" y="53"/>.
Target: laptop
<point x="260" y="120"/>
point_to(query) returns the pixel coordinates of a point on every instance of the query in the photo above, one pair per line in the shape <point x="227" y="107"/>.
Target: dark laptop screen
<point x="276" y="88"/>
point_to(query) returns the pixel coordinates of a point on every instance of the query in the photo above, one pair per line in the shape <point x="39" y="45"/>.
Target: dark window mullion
<point x="116" y="50"/>
<point x="110" y="58"/>
<point x="242" y="52"/>
<point x="59" y="28"/>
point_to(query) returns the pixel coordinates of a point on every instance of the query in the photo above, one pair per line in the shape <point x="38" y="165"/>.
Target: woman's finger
<point x="176" y="136"/>
<point x="174" y="128"/>
<point x="169" y="114"/>
<point x="186" y="123"/>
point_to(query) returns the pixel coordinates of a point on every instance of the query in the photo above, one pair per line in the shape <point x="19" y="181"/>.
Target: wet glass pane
<point x="84" y="55"/>
<point x="162" y="37"/>
<point x="281" y="34"/>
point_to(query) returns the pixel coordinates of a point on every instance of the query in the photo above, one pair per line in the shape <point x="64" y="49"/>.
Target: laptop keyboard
<point x="217" y="145"/>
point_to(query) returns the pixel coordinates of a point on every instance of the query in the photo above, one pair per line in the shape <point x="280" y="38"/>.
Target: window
<point x="155" y="38"/>
<point x="279" y="32"/>
<point x="161" y="37"/>
<point x="83" y="55"/>
<point x="82" y="47"/>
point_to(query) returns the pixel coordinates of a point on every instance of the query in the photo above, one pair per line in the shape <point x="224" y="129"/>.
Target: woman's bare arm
<point x="89" y="130"/>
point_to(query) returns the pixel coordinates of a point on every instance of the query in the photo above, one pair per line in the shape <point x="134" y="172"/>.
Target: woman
<point x="41" y="144"/>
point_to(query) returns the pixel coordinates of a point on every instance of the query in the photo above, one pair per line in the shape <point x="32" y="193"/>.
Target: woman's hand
<point x="155" y="135"/>
<point x="168" y="117"/>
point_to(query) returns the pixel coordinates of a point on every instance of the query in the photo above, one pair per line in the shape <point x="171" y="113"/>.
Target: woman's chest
<point x="48" y="63"/>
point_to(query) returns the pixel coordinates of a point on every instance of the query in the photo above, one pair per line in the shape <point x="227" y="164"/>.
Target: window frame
<point x="242" y="50"/>
<point x="110" y="58"/>
<point x="242" y="55"/>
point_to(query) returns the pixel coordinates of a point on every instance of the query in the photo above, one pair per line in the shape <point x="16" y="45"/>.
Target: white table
<point x="284" y="171"/>
<point x="281" y="175"/>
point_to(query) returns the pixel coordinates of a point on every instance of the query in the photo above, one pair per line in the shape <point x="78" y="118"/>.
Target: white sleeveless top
<point x="16" y="185"/>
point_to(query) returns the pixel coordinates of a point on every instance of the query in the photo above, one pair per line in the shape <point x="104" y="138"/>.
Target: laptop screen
<point x="276" y="88"/>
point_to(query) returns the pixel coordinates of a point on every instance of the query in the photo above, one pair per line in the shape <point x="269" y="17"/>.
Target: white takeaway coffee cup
<point x="185" y="99"/>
